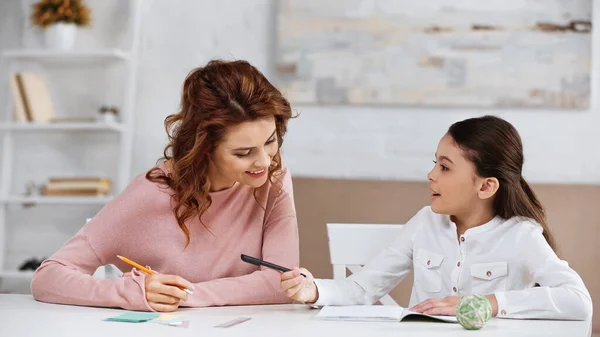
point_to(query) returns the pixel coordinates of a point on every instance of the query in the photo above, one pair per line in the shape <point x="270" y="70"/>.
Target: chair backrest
<point x="351" y="246"/>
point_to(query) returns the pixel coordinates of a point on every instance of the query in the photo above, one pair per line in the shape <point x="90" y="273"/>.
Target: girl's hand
<point x="438" y="306"/>
<point x="447" y="306"/>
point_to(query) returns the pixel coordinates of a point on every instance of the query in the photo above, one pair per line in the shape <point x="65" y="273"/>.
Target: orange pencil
<point x="146" y="270"/>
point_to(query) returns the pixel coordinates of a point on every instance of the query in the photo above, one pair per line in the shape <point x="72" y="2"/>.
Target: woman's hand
<point x="447" y="306"/>
<point x="298" y="287"/>
<point x="162" y="292"/>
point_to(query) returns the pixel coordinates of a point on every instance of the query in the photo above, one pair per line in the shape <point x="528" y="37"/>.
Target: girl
<point x="485" y="233"/>
<point x="220" y="190"/>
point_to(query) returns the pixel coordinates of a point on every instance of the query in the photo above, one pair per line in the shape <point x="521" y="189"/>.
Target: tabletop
<point x="21" y="315"/>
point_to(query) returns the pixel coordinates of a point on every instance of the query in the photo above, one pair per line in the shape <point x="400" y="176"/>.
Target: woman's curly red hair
<point x="214" y="97"/>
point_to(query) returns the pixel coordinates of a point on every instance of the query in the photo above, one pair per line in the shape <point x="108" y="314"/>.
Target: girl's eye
<point x="271" y="140"/>
<point x="444" y="167"/>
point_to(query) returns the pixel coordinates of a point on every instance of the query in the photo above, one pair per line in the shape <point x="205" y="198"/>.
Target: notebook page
<point x="361" y="313"/>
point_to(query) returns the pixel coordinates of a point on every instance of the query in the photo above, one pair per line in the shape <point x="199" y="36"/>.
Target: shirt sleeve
<point x="280" y="246"/>
<point x="378" y="277"/>
<point x="561" y="293"/>
<point x="67" y="276"/>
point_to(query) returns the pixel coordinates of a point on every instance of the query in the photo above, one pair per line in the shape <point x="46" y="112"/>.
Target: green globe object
<point x="473" y="312"/>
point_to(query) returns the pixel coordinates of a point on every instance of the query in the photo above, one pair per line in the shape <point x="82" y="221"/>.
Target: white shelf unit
<point x="122" y="129"/>
<point x="43" y="200"/>
<point x="67" y="56"/>
<point x="35" y="127"/>
<point x="18" y="275"/>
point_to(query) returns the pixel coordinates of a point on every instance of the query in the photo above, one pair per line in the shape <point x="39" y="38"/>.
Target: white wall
<point x="560" y="146"/>
<point x="348" y="142"/>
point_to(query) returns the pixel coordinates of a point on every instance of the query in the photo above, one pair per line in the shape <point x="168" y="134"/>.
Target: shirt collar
<point x="497" y="220"/>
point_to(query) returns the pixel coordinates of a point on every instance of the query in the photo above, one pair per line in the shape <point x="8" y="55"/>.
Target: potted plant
<point x="60" y="20"/>
<point x="109" y="113"/>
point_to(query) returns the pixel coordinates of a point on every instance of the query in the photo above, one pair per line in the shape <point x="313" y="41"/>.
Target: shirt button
<point x="428" y="262"/>
<point x="462" y="239"/>
<point x="454" y="289"/>
<point x="503" y="312"/>
<point x="489" y="273"/>
<point x="458" y="264"/>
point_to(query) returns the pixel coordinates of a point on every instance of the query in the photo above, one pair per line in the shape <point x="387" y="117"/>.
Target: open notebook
<point x="374" y="313"/>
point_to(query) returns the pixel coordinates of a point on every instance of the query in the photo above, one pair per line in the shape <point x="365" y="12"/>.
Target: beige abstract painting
<point x="436" y="53"/>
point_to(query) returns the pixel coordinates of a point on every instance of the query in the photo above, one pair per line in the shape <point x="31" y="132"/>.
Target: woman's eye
<point x="242" y="154"/>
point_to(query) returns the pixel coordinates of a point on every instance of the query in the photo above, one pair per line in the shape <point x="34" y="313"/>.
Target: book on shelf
<point x="79" y="179"/>
<point x="75" y="193"/>
<point x="21" y="113"/>
<point x="74" y="120"/>
<point x="31" y="97"/>
<point x="77" y="186"/>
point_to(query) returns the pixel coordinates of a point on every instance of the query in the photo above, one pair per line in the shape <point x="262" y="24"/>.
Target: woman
<point x="219" y="191"/>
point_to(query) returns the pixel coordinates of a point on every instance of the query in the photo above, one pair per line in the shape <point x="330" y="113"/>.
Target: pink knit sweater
<point x="139" y="224"/>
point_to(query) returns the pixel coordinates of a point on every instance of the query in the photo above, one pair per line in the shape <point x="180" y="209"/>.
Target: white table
<point x="21" y="315"/>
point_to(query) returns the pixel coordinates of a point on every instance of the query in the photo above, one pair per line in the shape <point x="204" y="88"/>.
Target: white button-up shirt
<point x="502" y="257"/>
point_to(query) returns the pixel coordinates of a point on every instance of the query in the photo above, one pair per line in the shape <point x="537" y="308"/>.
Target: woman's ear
<point x="488" y="188"/>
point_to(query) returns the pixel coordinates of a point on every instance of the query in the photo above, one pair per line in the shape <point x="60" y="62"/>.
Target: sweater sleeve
<point x="280" y="246"/>
<point x="66" y="277"/>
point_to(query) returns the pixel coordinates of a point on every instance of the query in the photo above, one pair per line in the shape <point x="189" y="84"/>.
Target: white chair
<point x="351" y="246"/>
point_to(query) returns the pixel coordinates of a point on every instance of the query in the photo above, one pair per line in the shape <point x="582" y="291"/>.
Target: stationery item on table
<point x="473" y="312"/>
<point x="233" y="322"/>
<point x="134" y="317"/>
<point x="375" y="313"/>
<point x="172" y="320"/>
<point x="146" y="270"/>
<point x="168" y="318"/>
<point x="259" y="262"/>
<point x="181" y="324"/>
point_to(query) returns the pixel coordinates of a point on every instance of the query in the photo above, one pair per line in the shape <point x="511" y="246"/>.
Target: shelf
<point x="43" y="200"/>
<point x="15" y="274"/>
<point x="67" y="56"/>
<point x="32" y="127"/>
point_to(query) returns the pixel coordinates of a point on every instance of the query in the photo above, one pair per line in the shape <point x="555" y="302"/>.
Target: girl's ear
<point x="488" y="188"/>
